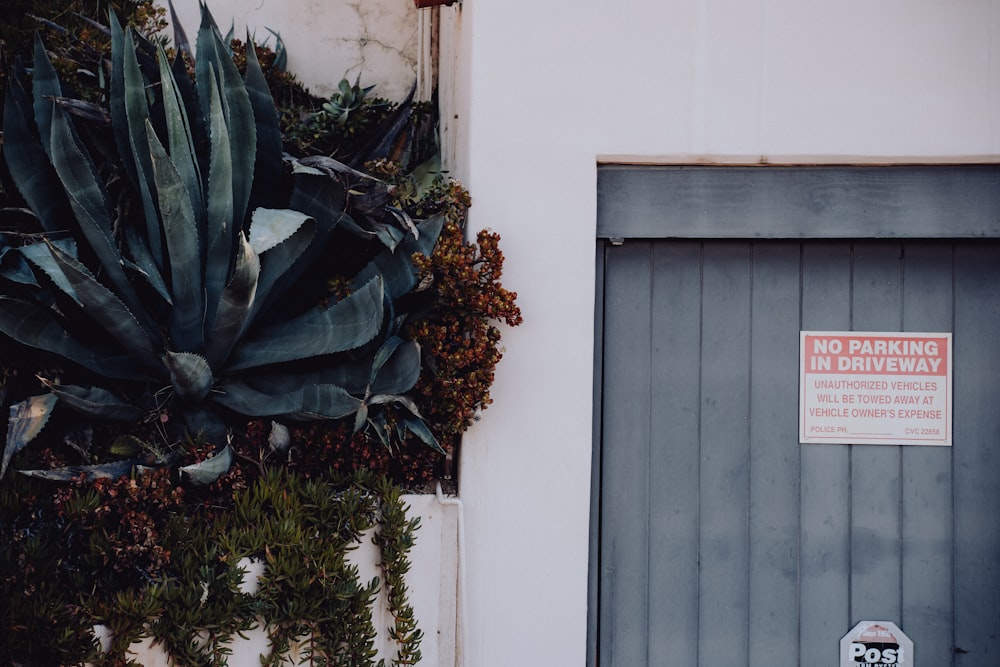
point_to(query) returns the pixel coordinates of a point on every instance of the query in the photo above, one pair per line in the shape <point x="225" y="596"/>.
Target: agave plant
<point x="174" y="237"/>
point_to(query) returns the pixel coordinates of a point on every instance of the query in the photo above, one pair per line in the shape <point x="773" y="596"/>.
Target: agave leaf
<point x="396" y="367"/>
<point x="179" y="138"/>
<point x="14" y="267"/>
<point x="94" y="113"/>
<point x="387" y="135"/>
<point x="209" y="470"/>
<point x="397" y="267"/>
<point x="421" y="430"/>
<point x="180" y="37"/>
<point x="105" y="307"/>
<point x="398" y="399"/>
<point x="215" y="59"/>
<point x="189" y="97"/>
<point x="307" y="402"/>
<point x="144" y="263"/>
<point x="44" y="86"/>
<point x="137" y="116"/>
<point x="360" y="417"/>
<point x="270" y="227"/>
<point x="378" y="424"/>
<point x="219" y="204"/>
<point x="345" y="325"/>
<point x="322" y="198"/>
<point x="281" y="262"/>
<point x="389" y="235"/>
<point x="40" y="255"/>
<point x="181" y="233"/>
<point x="27" y="419"/>
<point x="280" y="52"/>
<point x="89" y="203"/>
<point x="34" y="326"/>
<point x="28" y="163"/>
<point x="95" y="401"/>
<point x="190" y="375"/>
<point x="119" y="117"/>
<point x="113" y="470"/>
<point x="235" y="305"/>
<point x="329" y="166"/>
<point x="267" y="166"/>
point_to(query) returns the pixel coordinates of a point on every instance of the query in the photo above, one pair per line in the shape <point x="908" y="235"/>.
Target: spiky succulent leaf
<point x="396" y="367"/>
<point x="215" y="59"/>
<point x="44" y="86"/>
<point x="13" y="266"/>
<point x="181" y="233"/>
<point x="40" y="255"/>
<point x="345" y="325"/>
<point x="360" y="418"/>
<point x="190" y="375"/>
<point x="420" y="429"/>
<point x="116" y="101"/>
<point x="396" y="268"/>
<point x="219" y="202"/>
<point x="270" y="227"/>
<point x="180" y="139"/>
<point x="137" y="116"/>
<point x="106" y="308"/>
<point x="35" y="326"/>
<point x="296" y="236"/>
<point x="28" y="163"/>
<point x="95" y="402"/>
<point x="113" y="470"/>
<point x="27" y="419"/>
<point x="144" y="264"/>
<point x="267" y="166"/>
<point x="89" y="203"/>
<point x="323" y="199"/>
<point x="235" y="305"/>
<point x="206" y="472"/>
<point x="306" y="402"/>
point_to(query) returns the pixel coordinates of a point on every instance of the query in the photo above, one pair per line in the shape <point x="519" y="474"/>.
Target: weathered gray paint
<point x="722" y="541"/>
<point x="798" y="202"/>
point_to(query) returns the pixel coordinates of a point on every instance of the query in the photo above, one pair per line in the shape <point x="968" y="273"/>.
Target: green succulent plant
<point x="174" y="237"/>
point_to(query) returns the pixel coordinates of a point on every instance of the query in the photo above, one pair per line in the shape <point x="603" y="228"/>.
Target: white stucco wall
<point x="537" y="92"/>
<point x="327" y="40"/>
<point x="547" y="90"/>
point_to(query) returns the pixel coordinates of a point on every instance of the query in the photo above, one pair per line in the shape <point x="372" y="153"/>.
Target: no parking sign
<point x="876" y="644"/>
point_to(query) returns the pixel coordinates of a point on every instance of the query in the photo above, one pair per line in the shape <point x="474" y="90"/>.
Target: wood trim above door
<point x="798" y="202"/>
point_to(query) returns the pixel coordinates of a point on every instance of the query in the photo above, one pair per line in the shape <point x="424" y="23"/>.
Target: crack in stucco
<point x="367" y="39"/>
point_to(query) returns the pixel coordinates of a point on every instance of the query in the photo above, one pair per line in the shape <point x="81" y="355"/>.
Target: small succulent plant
<point x="168" y="268"/>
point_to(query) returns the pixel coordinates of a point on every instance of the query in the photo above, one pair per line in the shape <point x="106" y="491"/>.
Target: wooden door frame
<point x="805" y="202"/>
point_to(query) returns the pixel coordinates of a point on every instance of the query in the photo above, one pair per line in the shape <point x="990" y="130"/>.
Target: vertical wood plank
<point x="625" y="453"/>
<point x="976" y="454"/>
<point x="824" y="564"/>
<point x="724" y="493"/>
<point x="875" y="485"/>
<point x="774" y="456"/>
<point x="594" y="547"/>
<point x="927" y="486"/>
<point x="674" y="457"/>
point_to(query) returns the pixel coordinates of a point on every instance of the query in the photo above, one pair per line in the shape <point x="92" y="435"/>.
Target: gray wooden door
<point x="719" y="540"/>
